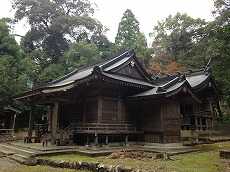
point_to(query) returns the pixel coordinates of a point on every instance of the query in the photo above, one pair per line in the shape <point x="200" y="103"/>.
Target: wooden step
<point x="7" y="152"/>
<point x="16" y="150"/>
<point x="19" y="158"/>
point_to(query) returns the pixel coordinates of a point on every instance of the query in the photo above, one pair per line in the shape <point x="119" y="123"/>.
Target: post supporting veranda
<point x="31" y="121"/>
<point x="201" y="125"/>
<point x="126" y="140"/>
<point x="54" y="122"/>
<point x="196" y="123"/>
<point x="13" y="124"/>
<point x="106" y="140"/>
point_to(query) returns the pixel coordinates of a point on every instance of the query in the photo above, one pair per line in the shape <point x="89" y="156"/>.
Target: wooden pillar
<point x="210" y="108"/>
<point x="61" y="137"/>
<point x="87" y="140"/>
<point x="13" y="124"/>
<point x="119" y="111"/>
<point x="50" y="119"/>
<point x="54" y="123"/>
<point x="162" y="138"/>
<point x="119" y="107"/>
<point x="84" y="112"/>
<point x="201" y="127"/>
<point x="126" y="140"/>
<point x="196" y="123"/>
<point x="106" y="140"/>
<point x="99" y="112"/>
<point x="212" y="121"/>
<point x="95" y="140"/>
<point x="31" y="122"/>
<point x="212" y="114"/>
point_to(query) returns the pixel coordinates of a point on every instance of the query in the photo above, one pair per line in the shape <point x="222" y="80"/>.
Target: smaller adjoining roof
<point x="168" y="89"/>
<point x="198" y="79"/>
<point x="10" y="109"/>
<point x="168" y="85"/>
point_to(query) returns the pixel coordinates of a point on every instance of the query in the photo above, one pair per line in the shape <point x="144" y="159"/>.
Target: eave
<point x="174" y="88"/>
<point x="96" y="74"/>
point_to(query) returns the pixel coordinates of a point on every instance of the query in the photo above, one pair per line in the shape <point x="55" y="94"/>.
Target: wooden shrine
<point x="115" y="100"/>
<point x="7" y="120"/>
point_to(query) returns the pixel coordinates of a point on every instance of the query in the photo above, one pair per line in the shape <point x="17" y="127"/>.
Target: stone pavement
<point x="37" y="149"/>
<point x="6" y="164"/>
<point x="28" y="153"/>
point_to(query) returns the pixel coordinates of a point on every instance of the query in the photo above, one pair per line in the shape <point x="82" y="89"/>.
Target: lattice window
<point x="91" y="109"/>
<point x="109" y="106"/>
<point x="91" y="106"/>
<point x="71" y="113"/>
<point x="109" y="111"/>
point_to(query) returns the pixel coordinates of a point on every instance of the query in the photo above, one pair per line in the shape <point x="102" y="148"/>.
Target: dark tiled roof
<point x="157" y="86"/>
<point x="195" y="79"/>
<point x="105" y="66"/>
<point x="9" y="108"/>
<point x="86" y="70"/>
<point x="161" y="89"/>
<point x="83" y="72"/>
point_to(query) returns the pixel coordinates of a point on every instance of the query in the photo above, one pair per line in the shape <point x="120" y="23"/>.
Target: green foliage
<point x="221" y="12"/>
<point x="143" y="52"/>
<point x="50" y="73"/>
<point x="80" y="53"/>
<point x="53" y="23"/>
<point x="193" y="42"/>
<point x="128" y="30"/>
<point x="9" y="55"/>
<point x="180" y="37"/>
<point x="8" y="45"/>
<point x="129" y="36"/>
<point x="6" y="81"/>
<point x="221" y="46"/>
<point x="14" y="70"/>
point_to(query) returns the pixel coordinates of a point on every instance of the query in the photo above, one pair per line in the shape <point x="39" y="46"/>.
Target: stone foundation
<point x="85" y="166"/>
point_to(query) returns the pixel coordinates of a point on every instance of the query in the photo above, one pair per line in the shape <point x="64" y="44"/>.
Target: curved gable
<point x="130" y="67"/>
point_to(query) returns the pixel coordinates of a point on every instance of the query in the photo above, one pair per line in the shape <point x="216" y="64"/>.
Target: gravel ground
<point x="6" y="164"/>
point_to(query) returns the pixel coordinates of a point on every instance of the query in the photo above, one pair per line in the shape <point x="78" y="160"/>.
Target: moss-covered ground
<point x="205" y="160"/>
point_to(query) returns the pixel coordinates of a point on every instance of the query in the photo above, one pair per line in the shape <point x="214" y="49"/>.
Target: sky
<point x="147" y="12"/>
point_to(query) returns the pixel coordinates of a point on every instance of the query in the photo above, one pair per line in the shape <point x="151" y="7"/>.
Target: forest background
<point x="63" y="35"/>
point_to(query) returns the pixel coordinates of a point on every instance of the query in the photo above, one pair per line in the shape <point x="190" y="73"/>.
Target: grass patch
<point x="205" y="160"/>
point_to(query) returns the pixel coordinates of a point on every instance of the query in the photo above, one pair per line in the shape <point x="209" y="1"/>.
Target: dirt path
<point x="6" y="164"/>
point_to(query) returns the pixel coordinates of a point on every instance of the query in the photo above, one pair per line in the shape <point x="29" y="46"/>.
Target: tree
<point x="54" y="22"/>
<point x="129" y="36"/>
<point x="80" y="53"/>
<point x="8" y="45"/>
<point x="9" y="54"/>
<point x="50" y="73"/>
<point x="13" y="75"/>
<point x="128" y="30"/>
<point x="221" y="12"/>
<point x="143" y="52"/>
<point x="179" y="36"/>
<point x="220" y="39"/>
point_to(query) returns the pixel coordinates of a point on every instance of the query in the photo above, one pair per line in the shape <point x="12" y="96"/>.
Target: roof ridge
<point x="188" y="73"/>
<point x="84" y="67"/>
<point x="171" y="83"/>
<point x="117" y="58"/>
